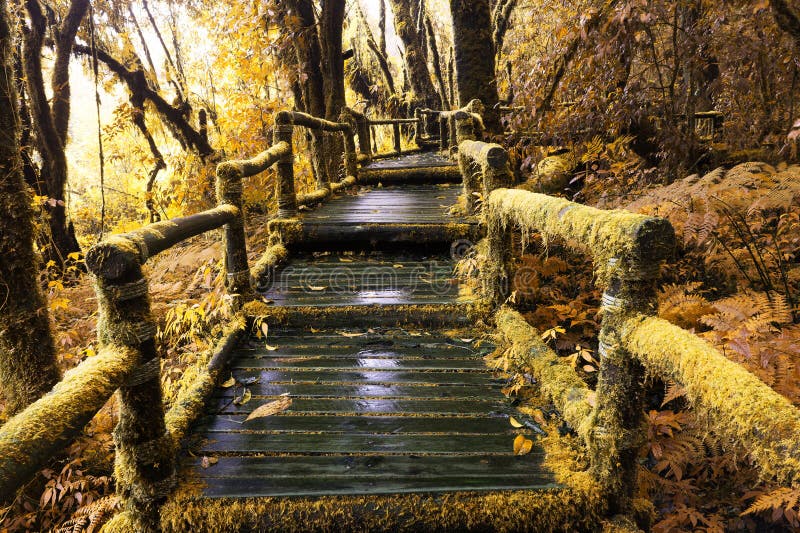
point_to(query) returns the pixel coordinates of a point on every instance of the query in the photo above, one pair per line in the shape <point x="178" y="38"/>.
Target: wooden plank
<point x="366" y="391"/>
<point x="371" y="406"/>
<point x="357" y="424"/>
<point x="313" y="486"/>
<point x="371" y="377"/>
<point x="280" y="349"/>
<point x="393" y="465"/>
<point x="321" y="443"/>
<point x="366" y="363"/>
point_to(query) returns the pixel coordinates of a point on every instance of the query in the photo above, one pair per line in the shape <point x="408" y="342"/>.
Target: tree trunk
<point x="788" y="18"/>
<point x="51" y="124"/>
<point x="27" y="352"/>
<point x="475" y="57"/>
<point x="330" y="38"/>
<point x="416" y="57"/>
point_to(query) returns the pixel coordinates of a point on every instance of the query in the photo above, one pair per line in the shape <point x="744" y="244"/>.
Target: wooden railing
<point x="146" y="437"/>
<point x="628" y="250"/>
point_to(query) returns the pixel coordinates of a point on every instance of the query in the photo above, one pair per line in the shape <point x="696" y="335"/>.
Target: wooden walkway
<point x="375" y="408"/>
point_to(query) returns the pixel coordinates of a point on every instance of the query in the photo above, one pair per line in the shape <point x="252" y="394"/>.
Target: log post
<point x="145" y="452"/>
<point x="396" y="132"/>
<point x="496" y="276"/>
<point x="484" y="167"/>
<point x="361" y="126"/>
<point x="287" y="199"/>
<point x="617" y="434"/>
<point x="419" y="129"/>
<point x="230" y="180"/>
<point x="444" y="132"/>
<point x="465" y="127"/>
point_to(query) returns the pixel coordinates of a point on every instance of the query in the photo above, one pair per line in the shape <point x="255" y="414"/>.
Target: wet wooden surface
<point x="410" y="161"/>
<point x="372" y="412"/>
<point x="366" y="279"/>
<point x="397" y="204"/>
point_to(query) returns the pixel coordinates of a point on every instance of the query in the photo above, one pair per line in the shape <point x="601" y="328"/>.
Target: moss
<point x="445" y="173"/>
<point x="250" y="167"/>
<point x="274" y="256"/>
<point x="31" y="437"/>
<point x="741" y="407"/>
<point x="557" y="381"/>
<point x="198" y="383"/>
<point x="121" y="523"/>
<point x="607" y="234"/>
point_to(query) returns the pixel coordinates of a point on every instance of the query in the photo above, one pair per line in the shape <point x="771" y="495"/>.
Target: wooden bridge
<point x="368" y="406"/>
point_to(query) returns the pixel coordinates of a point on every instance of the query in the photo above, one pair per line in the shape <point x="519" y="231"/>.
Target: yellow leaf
<point x="398" y="266"/>
<point x="349" y="334"/>
<point x="270" y="408"/>
<point x="317" y="287"/>
<point x="345" y="260"/>
<point x="229" y="383"/>
<point x="264" y="329"/>
<point x="591" y="398"/>
<point x="270" y="348"/>
<point x="522" y="445"/>
<point x="514" y="422"/>
<point x="244" y="398"/>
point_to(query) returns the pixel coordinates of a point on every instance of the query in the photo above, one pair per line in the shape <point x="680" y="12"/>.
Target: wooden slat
<point x="372" y="406"/>
<point x="321" y="443"/>
<point x="370" y="377"/>
<point x="402" y="465"/>
<point x="314" y="486"/>
<point x="365" y="362"/>
<point x="358" y="424"/>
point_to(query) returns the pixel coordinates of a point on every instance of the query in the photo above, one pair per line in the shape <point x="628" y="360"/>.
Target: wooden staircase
<point x="388" y="401"/>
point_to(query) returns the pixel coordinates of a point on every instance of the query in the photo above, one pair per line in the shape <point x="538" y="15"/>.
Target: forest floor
<point x="735" y="281"/>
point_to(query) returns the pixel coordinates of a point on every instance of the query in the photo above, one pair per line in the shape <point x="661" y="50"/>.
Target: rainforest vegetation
<point x="115" y="114"/>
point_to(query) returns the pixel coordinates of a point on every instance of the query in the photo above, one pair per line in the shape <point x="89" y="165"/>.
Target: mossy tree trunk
<point x="475" y="57"/>
<point x="416" y="52"/>
<point x="330" y="37"/>
<point x="52" y="120"/>
<point x="308" y="54"/>
<point x="27" y="352"/>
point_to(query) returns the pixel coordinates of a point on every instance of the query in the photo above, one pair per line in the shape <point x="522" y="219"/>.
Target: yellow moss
<point x="32" y="436"/>
<point x="195" y="387"/>
<point x="121" y="523"/>
<point x="606" y="234"/>
<point x="272" y="257"/>
<point x="557" y="381"/>
<point x="741" y="407"/>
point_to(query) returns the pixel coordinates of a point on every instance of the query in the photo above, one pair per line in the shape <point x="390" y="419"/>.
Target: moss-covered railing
<point x="628" y="250"/>
<point x="484" y="167"/>
<point x="285" y="122"/>
<point x="145" y="438"/>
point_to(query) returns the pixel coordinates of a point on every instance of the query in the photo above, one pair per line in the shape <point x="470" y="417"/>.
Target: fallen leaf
<point x="589" y="368"/>
<point x="315" y="330"/>
<point x="539" y="417"/>
<point x="250" y="381"/>
<point x="591" y="398"/>
<point x="350" y="334"/>
<point x="345" y="260"/>
<point x="398" y="266"/>
<point x="264" y="329"/>
<point x="466" y="340"/>
<point x="244" y="398"/>
<point x="205" y="462"/>
<point x="270" y="348"/>
<point x="522" y="445"/>
<point x="270" y="408"/>
<point x="514" y="422"/>
<point x="317" y="287"/>
<point x="228" y="383"/>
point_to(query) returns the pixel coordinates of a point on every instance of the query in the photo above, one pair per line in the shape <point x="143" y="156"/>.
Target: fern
<point x="91" y="517"/>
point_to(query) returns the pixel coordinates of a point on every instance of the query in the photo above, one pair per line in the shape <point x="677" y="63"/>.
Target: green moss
<point x="741" y="407"/>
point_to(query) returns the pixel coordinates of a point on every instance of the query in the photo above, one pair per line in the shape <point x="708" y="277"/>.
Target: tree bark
<point x="788" y="18"/>
<point x="475" y="57"/>
<point x="437" y="63"/>
<point x="416" y="46"/>
<point x="332" y="63"/>
<point x="51" y="123"/>
<point x="27" y="351"/>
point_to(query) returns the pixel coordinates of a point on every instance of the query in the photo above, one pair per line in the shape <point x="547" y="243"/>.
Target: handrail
<point x="484" y="168"/>
<point x="628" y="250"/>
<point x="30" y="438"/>
<point x="285" y="122"/>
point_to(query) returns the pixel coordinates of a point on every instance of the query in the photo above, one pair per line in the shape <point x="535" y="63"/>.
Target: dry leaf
<point x="315" y="330"/>
<point x="205" y="462"/>
<point x="270" y="408"/>
<point x="591" y="398"/>
<point x="538" y="417"/>
<point x="589" y="369"/>
<point x="349" y="334"/>
<point x="264" y="329"/>
<point x="244" y="398"/>
<point x="270" y="348"/>
<point x="522" y="445"/>
<point x="345" y="260"/>
<point x="398" y="266"/>
<point x="514" y="422"/>
<point x="317" y="287"/>
<point x="228" y="383"/>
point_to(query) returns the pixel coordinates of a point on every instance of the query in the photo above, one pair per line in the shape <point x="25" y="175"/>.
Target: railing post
<point x="617" y="433"/>
<point x="444" y="132"/>
<point x="419" y="128"/>
<point x="465" y="127"/>
<point x="145" y="451"/>
<point x="496" y="276"/>
<point x="287" y="198"/>
<point x="361" y="126"/>
<point x="230" y="183"/>
<point x="396" y="132"/>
